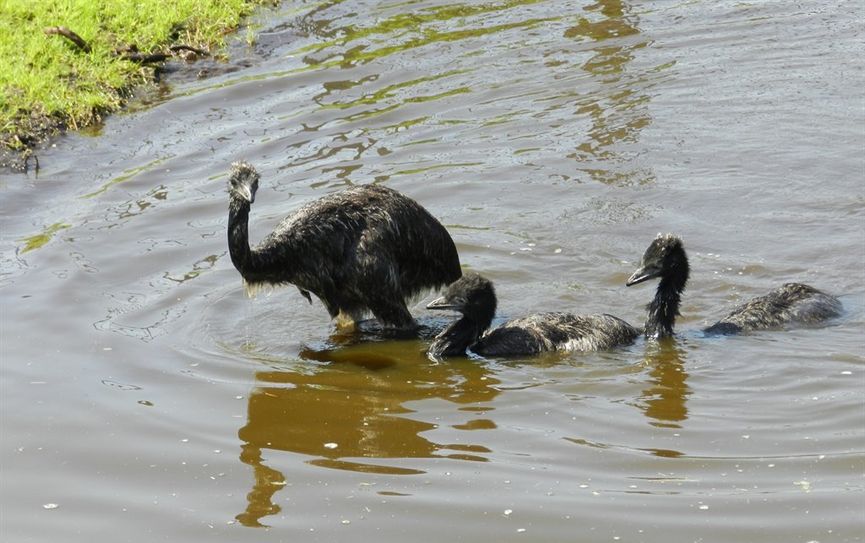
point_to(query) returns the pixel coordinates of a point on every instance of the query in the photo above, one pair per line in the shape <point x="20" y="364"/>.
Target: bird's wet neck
<point x="456" y="338"/>
<point x="663" y="309"/>
<point x="238" y="236"/>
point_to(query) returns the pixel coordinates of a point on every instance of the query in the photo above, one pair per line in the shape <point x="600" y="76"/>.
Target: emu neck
<point x="238" y="236"/>
<point x="459" y="336"/>
<point x="455" y="339"/>
<point x="663" y="309"/>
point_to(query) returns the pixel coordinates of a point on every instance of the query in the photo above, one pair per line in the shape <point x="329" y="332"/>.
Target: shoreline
<point x="69" y="68"/>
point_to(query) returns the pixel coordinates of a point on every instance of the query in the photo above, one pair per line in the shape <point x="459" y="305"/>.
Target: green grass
<point x="47" y="82"/>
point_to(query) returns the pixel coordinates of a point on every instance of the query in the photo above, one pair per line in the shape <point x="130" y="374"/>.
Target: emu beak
<point x="644" y="273"/>
<point x="246" y="193"/>
<point x="442" y="303"/>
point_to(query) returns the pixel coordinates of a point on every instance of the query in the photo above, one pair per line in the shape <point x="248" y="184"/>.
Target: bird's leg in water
<point x="345" y="323"/>
<point x="391" y="311"/>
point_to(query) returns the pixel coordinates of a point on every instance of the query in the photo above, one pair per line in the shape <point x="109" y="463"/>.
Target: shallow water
<point x="144" y="396"/>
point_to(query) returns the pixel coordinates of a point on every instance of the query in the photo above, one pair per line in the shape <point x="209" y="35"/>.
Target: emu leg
<point x="345" y="323"/>
<point x="393" y="313"/>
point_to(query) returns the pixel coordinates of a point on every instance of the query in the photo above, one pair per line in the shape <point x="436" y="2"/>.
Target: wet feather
<point x="790" y="304"/>
<point x="366" y="249"/>
<point x="474" y="297"/>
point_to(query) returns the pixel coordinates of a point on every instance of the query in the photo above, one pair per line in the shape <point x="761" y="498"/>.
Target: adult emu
<point x="474" y="297"/>
<point x="791" y="303"/>
<point x="366" y="249"/>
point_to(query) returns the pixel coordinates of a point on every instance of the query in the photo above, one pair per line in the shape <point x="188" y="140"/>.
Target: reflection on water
<point x="663" y="401"/>
<point x="620" y="111"/>
<point x="354" y="408"/>
<point x="348" y="410"/>
<point x="661" y="393"/>
<point x="415" y="29"/>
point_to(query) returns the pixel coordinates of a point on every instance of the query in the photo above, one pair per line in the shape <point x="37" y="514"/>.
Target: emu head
<point x="665" y="258"/>
<point x="243" y="181"/>
<point x="472" y="295"/>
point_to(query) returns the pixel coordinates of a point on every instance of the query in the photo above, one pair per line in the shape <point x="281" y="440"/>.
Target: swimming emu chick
<point x="792" y="303"/>
<point x="665" y="258"/>
<point x="364" y="249"/>
<point x="475" y="297"/>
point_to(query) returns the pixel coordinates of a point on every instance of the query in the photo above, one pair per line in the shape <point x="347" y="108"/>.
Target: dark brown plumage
<point x="790" y="304"/>
<point x="474" y="297"/>
<point x="366" y="249"/>
<point x="664" y="258"/>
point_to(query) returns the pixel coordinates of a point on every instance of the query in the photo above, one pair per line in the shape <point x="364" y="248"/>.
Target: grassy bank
<point x="48" y="83"/>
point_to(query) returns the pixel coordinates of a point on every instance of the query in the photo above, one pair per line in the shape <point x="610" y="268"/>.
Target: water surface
<point x="143" y="395"/>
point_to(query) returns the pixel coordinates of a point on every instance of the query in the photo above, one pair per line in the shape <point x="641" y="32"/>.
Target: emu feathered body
<point x="474" y="297"/>
<point x="556" y="332"/>
<point x="366" y="249"/>
<point x="790" y="304"/>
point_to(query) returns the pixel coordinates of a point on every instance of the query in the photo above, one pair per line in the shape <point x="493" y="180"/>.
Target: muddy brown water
<point x="145" y="398"/>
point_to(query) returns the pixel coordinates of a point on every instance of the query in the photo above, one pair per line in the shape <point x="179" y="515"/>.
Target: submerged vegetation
<point x="50" y="81"/>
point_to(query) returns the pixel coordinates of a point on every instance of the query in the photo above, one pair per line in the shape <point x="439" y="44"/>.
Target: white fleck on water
<point x="804" y="485"/>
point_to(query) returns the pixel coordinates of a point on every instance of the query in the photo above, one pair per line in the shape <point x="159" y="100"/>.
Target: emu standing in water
<point x="364" y="249"/>
<point x="792" y="303"/>
<point x="475" y="297"/>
